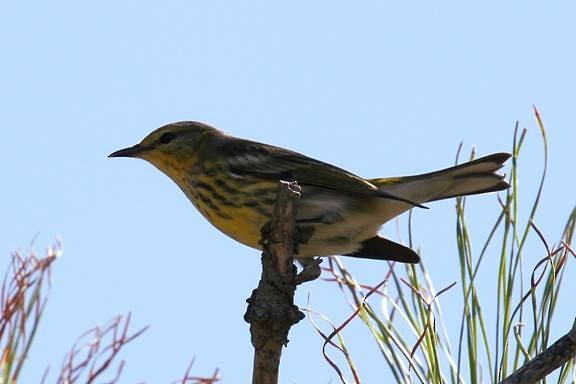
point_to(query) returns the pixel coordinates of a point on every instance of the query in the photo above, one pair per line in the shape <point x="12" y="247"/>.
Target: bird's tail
<point x="477" y="176"/>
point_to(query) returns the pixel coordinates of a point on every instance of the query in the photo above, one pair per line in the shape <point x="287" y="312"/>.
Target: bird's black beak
<point x="133" y="151"/>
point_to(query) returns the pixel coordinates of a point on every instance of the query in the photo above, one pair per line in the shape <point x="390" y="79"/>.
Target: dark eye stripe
<point x="167" y="138"/>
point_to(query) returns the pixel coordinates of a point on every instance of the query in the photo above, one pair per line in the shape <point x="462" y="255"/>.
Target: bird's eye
<point x="167" y="138"/>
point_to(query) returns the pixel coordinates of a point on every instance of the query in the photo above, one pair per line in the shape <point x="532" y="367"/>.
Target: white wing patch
<point x="247" y="160"/>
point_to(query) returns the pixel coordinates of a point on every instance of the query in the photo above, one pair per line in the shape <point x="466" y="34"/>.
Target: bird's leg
<point x="265" y="233"/>
<point x="310" y="266"/>
<point x="301" y="236"/>
<point x="310" y="270"/>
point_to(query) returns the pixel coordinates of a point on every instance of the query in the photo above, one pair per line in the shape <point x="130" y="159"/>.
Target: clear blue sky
<point x="381" y="88"/>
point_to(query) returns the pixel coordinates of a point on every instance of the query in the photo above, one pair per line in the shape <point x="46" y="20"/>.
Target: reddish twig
<point x="189" y="379"/>
<point x="95" y="351"/>
<point x="23" y="296"/>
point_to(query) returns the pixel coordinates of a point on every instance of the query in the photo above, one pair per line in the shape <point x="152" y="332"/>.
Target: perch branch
<point x="552" y="358"/>
<point x="271" y="310"/>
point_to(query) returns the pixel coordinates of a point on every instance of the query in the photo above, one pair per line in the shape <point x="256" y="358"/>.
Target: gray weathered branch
<point x="552" y="358"/>
<point x="271" y="310"/>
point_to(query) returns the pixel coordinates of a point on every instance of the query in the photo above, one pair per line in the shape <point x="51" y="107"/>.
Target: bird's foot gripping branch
<point x="271" y="311"/>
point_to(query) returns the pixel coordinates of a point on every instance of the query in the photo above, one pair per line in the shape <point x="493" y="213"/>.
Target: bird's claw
<point x="310" y="271"/>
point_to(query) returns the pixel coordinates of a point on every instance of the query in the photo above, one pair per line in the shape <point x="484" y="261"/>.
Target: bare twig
<point x="23" y="297"/>
<point x="190" y="379"/>
<point x="95" y="351"/>
<point x="271" y="310"/>
<point x="552" y="358"/>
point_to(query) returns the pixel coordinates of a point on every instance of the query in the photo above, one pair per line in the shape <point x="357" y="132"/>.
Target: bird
<point x="233" y="183"/>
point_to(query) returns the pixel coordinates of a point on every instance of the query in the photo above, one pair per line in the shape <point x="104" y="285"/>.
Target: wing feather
<point x="269" y="162"/>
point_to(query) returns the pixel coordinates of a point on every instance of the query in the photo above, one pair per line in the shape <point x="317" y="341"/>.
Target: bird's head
<point x="172" y="147"/>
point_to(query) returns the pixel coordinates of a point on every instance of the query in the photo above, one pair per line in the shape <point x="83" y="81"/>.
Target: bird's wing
<point x="269" y="162"/>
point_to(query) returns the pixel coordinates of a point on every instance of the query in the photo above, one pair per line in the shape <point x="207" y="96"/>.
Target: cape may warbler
<point x="233" y="183"/>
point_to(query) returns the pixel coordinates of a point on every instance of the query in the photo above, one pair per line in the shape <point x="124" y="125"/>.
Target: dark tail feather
<point x="380" y="248"/>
